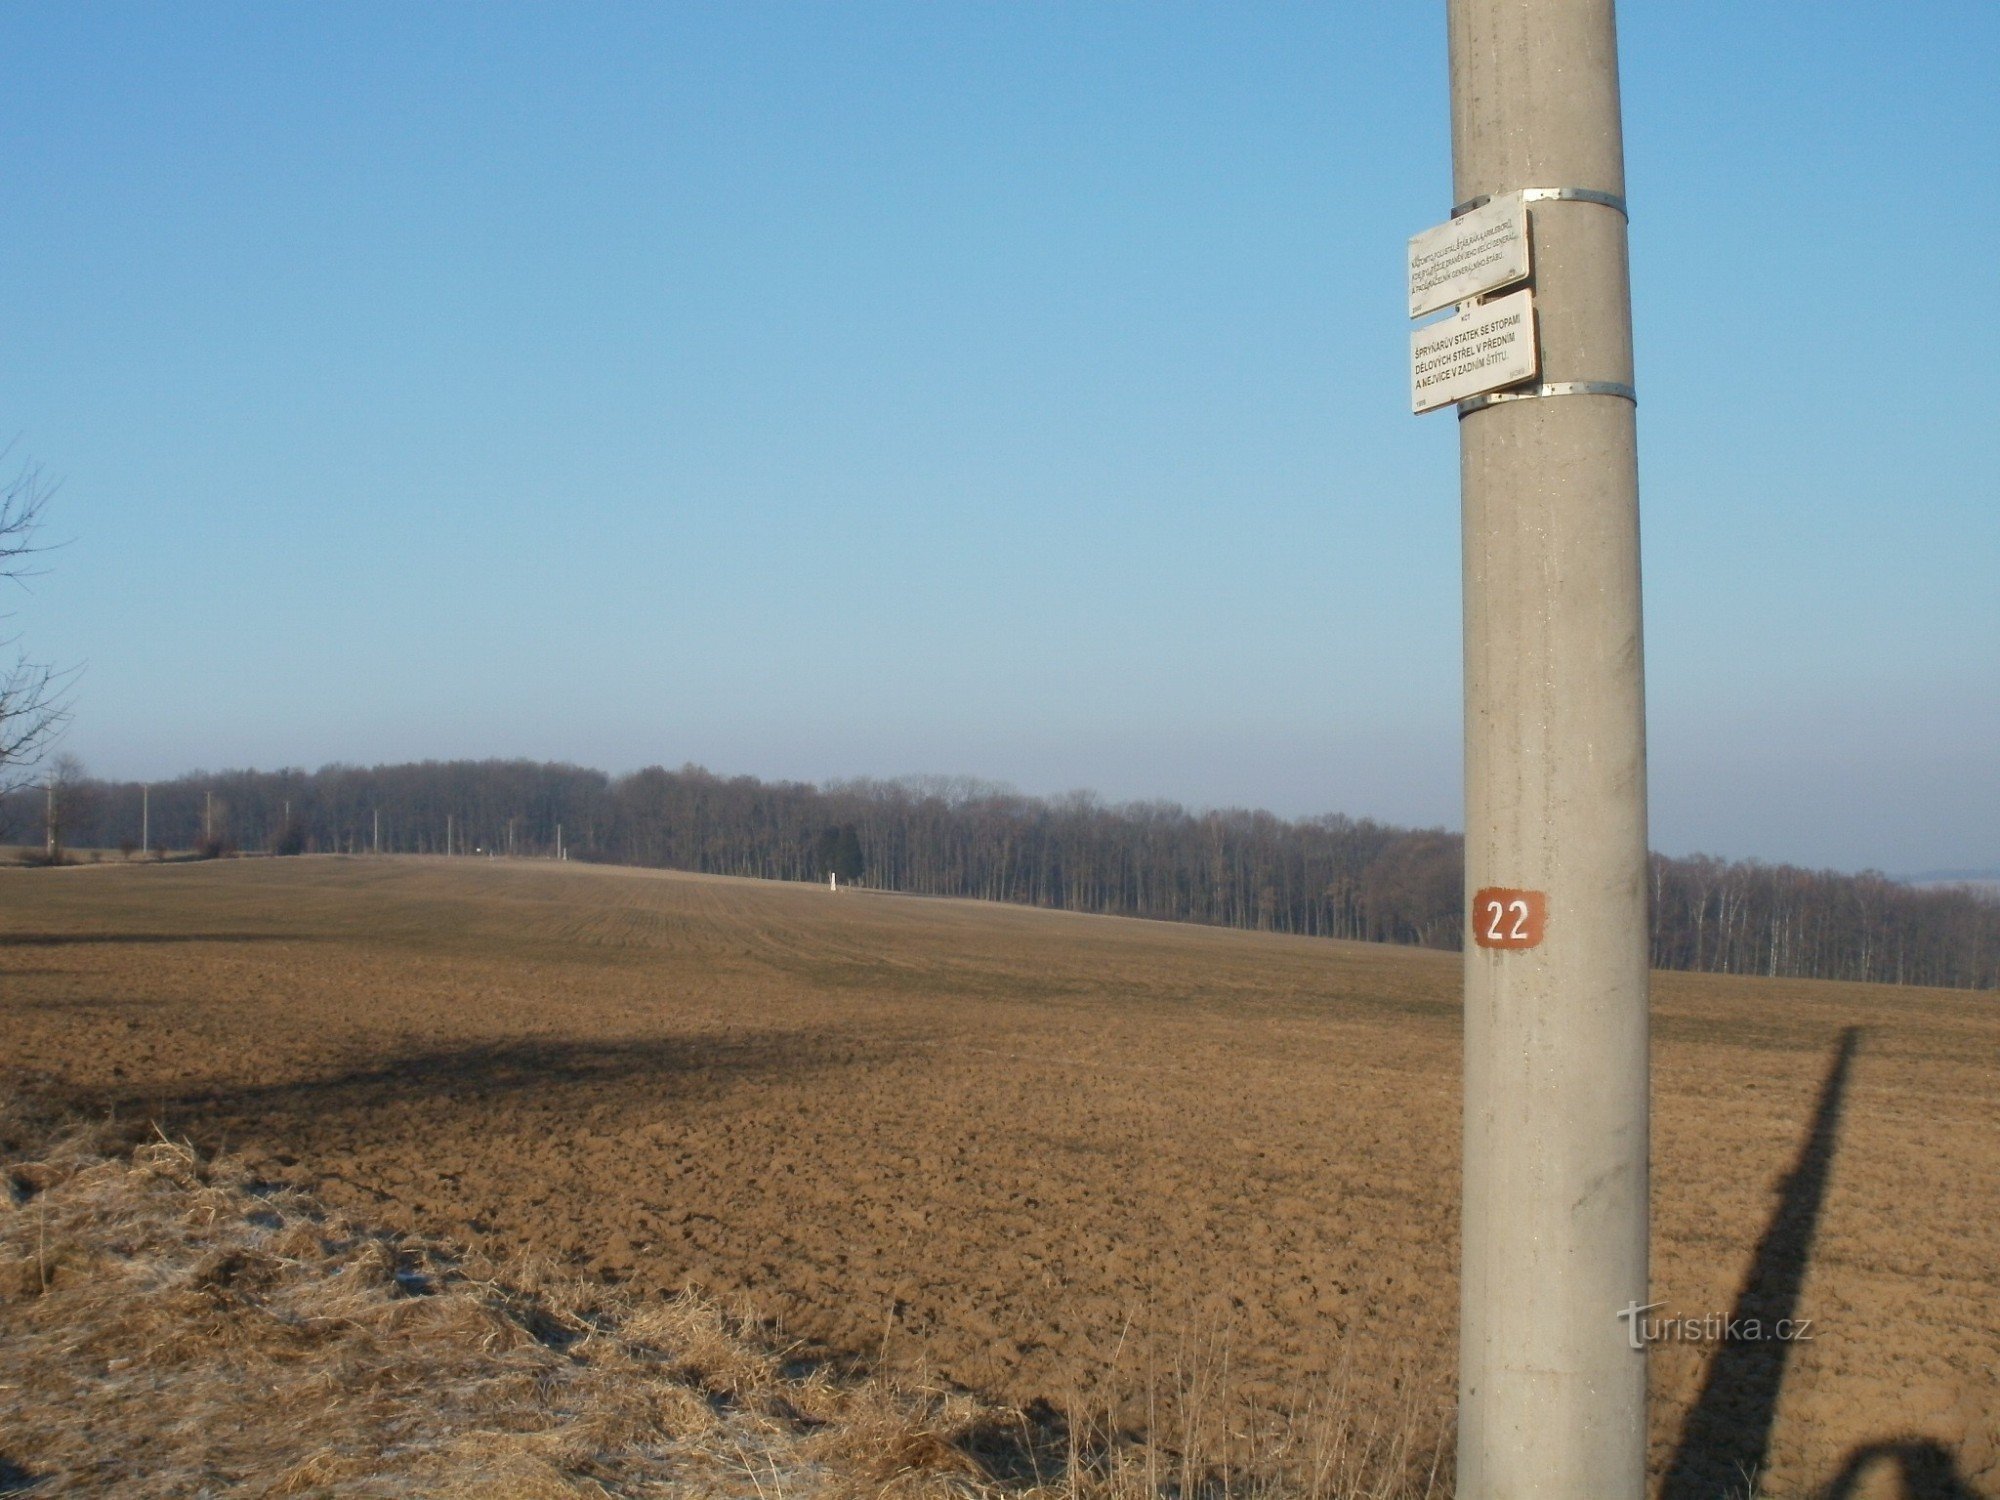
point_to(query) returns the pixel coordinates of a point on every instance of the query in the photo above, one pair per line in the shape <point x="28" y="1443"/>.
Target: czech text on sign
<point x="1506" y="918"/>
<point x="1474" y="253"/>
<point x="1487" y="346"/>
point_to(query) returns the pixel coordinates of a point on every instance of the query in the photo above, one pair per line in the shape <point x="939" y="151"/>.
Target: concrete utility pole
<point x="1552" y="1395"/>
<point x="145" y="818"/>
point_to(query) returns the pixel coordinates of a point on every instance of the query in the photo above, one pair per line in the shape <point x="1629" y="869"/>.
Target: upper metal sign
<point x="1474" y="253"/>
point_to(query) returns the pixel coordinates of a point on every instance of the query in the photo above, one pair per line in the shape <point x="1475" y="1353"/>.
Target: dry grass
<point x="173" y="1326"/>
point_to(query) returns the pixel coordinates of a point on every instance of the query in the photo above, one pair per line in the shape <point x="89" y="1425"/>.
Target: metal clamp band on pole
<point x="1550" y="195"/>
<point x="1616" y="388"/>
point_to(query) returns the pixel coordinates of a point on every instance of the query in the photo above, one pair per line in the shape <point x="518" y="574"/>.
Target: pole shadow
<point x="1726" y="1439"/>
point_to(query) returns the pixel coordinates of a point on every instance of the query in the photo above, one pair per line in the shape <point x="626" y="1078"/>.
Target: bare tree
<point x="72" y="802"/>
<point x="33" y="707"/>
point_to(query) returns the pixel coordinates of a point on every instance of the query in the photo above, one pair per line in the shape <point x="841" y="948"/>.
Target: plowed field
<point x="1049" y="1157"/>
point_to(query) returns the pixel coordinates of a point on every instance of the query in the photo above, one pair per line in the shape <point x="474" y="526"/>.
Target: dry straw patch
<point x="171" y="1326"/>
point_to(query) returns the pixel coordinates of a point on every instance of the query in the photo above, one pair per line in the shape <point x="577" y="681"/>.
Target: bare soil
<point x="1178" y="1175"/>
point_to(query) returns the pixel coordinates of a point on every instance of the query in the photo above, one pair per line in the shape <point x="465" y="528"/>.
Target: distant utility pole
<point x="559" y="842"/>
<point x="208" y="816"/>
<point x="145" y="818"/>
<point x="378" y="831"/>
<point x="447" y="834"/>
<point x="1552" y="1395"/>
<point x="49" y="818"/>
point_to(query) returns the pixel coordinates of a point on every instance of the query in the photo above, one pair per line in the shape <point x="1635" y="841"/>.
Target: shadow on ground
<point x="474" y="1088"/>
<point x="1726" y="1438"/>
<point x="1727" y="1435"/>
<point x="1925" y="1469"/>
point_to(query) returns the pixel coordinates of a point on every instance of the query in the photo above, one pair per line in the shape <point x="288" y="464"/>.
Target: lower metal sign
<point x="1487" y="345"/>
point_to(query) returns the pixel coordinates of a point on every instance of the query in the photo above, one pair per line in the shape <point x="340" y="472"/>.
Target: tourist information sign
<point x="1489" y="345"/>
<point x="1479" y="251"/>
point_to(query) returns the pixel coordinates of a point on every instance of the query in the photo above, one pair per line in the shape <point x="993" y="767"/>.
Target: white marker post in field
<point x="1552" y="1395"/>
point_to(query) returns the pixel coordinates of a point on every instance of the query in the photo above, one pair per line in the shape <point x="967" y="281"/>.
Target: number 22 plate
<point x="1506" y="918"/>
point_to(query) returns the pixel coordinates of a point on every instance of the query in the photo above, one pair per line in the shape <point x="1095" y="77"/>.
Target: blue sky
<point x="1014" y="391"/>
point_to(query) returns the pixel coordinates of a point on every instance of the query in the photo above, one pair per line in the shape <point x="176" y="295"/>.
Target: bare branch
<point x="22" y="501"/>
<point x="34" y="703"/>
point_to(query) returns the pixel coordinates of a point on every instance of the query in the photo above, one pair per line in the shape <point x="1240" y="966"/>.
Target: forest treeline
<point x="1329" y="876"/>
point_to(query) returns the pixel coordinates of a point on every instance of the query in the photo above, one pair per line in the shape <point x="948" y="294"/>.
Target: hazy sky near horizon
<point x="1013" y="391"/>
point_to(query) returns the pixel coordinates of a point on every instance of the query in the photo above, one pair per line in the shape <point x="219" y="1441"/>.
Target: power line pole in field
<point x="1537" y="358"/>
